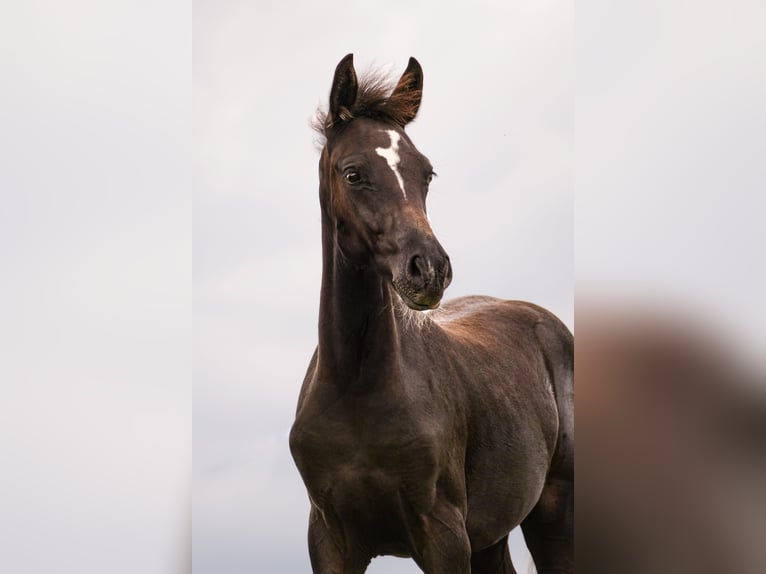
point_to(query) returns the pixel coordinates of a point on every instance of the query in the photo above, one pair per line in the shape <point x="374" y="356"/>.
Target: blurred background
<point x="626" y="159"/>
<point x="670" y="275"/>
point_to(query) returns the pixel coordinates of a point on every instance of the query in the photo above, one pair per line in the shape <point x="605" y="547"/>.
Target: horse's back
<point x="482" y="309"/>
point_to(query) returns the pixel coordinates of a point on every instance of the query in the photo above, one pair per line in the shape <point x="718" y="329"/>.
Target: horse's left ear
<point x="409" y="91"/>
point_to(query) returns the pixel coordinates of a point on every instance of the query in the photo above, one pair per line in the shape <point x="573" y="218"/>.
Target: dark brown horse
<point x="423" y="435"/>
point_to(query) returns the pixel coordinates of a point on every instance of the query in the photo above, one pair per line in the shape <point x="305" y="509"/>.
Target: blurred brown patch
<point x="671" y="451"/>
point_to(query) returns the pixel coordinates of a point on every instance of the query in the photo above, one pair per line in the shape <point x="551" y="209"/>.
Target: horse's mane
<point x="375" y="99"/>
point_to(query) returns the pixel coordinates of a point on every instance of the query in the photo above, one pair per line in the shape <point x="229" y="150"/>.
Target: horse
<point x="423" y="435"/>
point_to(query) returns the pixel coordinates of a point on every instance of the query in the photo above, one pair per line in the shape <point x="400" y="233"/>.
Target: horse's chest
<point x="355" y="467"/>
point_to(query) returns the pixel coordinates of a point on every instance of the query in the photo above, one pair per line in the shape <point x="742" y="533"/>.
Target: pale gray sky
<point x="95" y="286"/>
<point x="496" y="121"/>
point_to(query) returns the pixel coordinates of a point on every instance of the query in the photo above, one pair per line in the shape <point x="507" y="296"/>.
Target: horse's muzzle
<point x="425" y="276"/>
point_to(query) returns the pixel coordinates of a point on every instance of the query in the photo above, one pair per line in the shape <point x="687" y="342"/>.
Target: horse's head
<point x="374" y="182"/>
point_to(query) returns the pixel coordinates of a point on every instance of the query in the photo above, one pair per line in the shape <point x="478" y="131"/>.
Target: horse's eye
<point x="352" y="177"/>
<point x="429" y="178"/>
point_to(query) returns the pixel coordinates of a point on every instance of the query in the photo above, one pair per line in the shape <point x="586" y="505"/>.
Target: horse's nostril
<point x="414" y="267"/>
<point x="418" y="271"/>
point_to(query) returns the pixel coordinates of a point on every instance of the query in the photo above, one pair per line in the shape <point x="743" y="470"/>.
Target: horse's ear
<point x="409" y="91"/>
<point x="343" y="91"/>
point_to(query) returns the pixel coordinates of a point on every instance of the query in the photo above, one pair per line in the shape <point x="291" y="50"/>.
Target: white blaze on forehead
<point x="391" y="155"/>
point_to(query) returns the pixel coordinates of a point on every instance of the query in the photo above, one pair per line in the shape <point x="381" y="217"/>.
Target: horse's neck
<point x="358" y="334"/>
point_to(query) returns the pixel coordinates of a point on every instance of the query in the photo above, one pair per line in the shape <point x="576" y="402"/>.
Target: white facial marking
<point x="391" y="155"/>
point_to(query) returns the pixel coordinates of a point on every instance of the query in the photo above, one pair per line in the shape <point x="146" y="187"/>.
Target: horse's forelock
<point x="375" y="100"/>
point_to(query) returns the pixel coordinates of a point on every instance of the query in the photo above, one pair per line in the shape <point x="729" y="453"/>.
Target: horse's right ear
<point x="343" y="91"/>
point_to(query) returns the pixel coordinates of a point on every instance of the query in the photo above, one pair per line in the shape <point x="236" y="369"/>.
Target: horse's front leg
<point x="441" y="540"/>
<point x="328" y="550"/>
